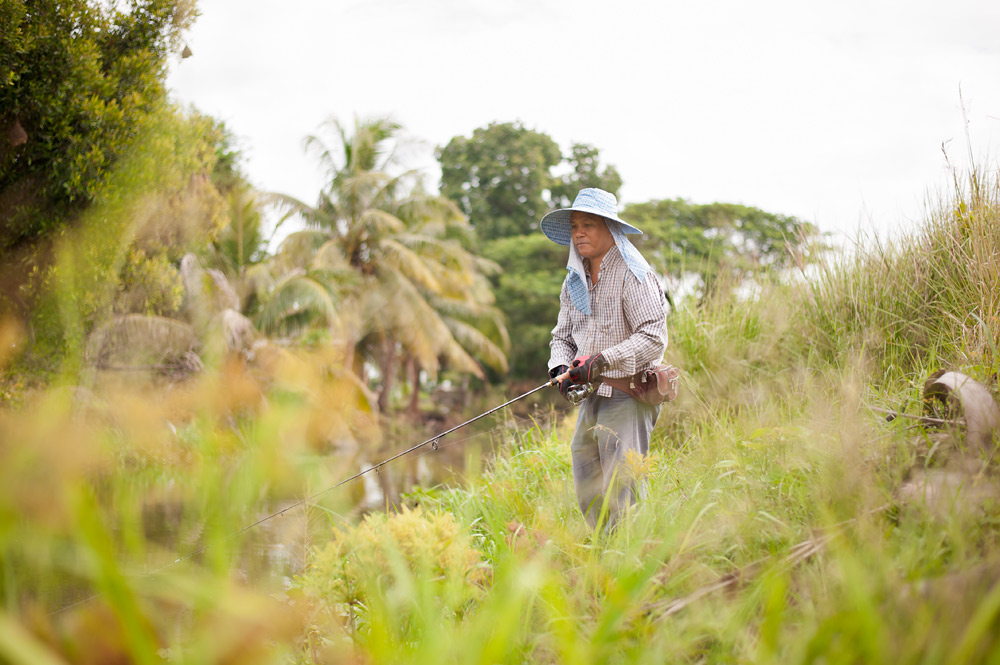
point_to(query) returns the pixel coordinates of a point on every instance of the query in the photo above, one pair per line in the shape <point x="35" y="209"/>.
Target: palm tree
<point x="419" y="297"/>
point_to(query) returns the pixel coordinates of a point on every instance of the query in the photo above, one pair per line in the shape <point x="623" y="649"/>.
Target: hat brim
<point x="556" y="224"/>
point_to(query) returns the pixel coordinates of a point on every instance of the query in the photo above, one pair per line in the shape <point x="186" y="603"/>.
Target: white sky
<point x="834" y="112"/>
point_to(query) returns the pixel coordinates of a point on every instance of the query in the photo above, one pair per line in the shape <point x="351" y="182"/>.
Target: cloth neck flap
<point x="576" y="280"/>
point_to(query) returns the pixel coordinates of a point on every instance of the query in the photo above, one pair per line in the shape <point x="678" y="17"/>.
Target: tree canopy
<point x="77" y="80"/>
<point x="527" y="290"/>
<point x="584" y="161"/>
<point x="403" y="287"/>
<point x="722" y="243"/>
<point x="503" y="178"/>
<point x="498" y="177"/>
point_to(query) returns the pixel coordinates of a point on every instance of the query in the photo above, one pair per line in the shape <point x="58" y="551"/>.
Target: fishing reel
<point x="579" y="392"/>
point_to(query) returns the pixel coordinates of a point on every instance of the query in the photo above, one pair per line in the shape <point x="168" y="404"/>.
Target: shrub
<point x="387" y="551"/>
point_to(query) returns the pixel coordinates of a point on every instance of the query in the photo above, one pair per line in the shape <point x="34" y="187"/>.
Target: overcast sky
<point x="835" y="112"/>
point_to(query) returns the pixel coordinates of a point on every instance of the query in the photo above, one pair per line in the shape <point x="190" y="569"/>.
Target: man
<point x="612" y="326"/>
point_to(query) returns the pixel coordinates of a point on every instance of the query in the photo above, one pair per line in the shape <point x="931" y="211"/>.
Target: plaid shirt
<point x="628" y="322"/>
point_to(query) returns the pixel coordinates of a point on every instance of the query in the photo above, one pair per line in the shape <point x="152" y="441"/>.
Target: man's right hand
<point x="565" y="384"/>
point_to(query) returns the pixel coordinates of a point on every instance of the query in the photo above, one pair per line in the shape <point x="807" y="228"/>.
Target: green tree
<point x="240" y="248"/>
<point x="721" y="243"/>
<point x="77" y="80"/>
<point x="585" y="164"/>
<point x="418" y="294"/>
<point x="499" y="177"/>
<point x="527" y="291"/>
<point x="121" y="255"/>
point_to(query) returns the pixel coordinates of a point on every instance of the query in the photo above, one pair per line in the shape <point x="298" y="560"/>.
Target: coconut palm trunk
<point x="413" y="371"/>
<point x="390" y="362"/>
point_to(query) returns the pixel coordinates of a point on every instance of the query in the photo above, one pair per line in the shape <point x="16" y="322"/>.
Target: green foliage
<point x="296" y="304"/>
<point x="395" y="263"/>
<point x="768" y="479"/>
<point x="931" y="300"/>
<point x="779" y="523"/>
<point x="242" y="242"/>
<point x="498" y="177"/>
<point x="527" y="292"/>
<point x="364" y="563"/>
<point x="722" y="243"/>
<point x="148" y="284"/>
<point x="501" y="177"/>
<point x="80" y="78"/>
<point x="240" y="249"/>
<point x="227" y="174"/>
<point x="105" y="489"/>
<point x="584" y="162"/>
<point x="121" y="255"/>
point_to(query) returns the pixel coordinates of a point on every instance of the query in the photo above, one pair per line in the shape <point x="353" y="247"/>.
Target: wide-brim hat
<point x="556" y="224"/>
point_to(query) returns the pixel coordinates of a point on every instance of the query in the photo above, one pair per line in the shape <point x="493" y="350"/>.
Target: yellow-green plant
<point x="381" y="552"/>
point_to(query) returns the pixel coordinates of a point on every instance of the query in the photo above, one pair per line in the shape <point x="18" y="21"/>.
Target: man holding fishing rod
<point x="606" y="350"/>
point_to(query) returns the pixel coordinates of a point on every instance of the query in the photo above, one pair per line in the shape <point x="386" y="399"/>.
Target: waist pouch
<point x="655" y="385"/>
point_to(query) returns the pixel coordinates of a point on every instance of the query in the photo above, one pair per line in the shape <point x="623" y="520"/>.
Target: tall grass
<point x="932" y="299"/>
<point x="775" y="526"/>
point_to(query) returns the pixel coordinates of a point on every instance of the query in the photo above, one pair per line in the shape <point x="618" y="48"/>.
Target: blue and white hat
<point x="556" y="224"/>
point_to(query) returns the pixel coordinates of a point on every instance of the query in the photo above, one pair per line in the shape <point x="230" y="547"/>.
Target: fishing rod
<point x="433" y="441"/>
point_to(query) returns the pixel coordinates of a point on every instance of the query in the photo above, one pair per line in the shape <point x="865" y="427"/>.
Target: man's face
<point x="590" y="234"/>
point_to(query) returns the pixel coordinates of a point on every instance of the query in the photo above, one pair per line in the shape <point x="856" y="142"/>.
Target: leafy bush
<point x="80" y="78"/>
<point x="384" y="550"/>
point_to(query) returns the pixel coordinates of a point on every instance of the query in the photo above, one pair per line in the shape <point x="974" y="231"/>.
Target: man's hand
<point x="560" y="375"/>
<point x="587" y="369"/>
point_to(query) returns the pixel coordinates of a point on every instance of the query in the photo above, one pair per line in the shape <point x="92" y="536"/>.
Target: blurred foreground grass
<point x="784" y="521"/>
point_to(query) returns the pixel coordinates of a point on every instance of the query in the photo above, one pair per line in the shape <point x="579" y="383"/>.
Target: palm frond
<point x="369" y="144"/>
<point x="298" y="248"/>
<point x="424" y="334"/>
<point x="380" y="222"/>
<point x="388" y="194"/>
<point x="330" y="256"/>
<point x="446" y="252"/>
<point x="285" y="204"/>
<point x="356" y="191"/>
<point x="415" y="325"/>
<point x="431" y="215"/>
<point x="477" y="344"/>
<point x="459" y="359"/>
<point x="487" y="267"/>
<point x="336" y="157"/>
<point x="409" y="264"/>
<point x="242" y="241"/>
<point x="259" y="279"/>
<point x="487" y="319"/>
<point x="297" y="301"/>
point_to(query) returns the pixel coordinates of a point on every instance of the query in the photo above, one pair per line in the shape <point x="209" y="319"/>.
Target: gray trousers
<point x="607" y="429"/>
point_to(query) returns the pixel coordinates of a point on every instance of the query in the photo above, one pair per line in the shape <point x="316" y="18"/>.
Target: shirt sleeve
<point x="562" y="346"/>
<point x="644" y="308"/>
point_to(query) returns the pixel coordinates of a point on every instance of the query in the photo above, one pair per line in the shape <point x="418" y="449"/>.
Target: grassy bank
<point x="784" y="520"/>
